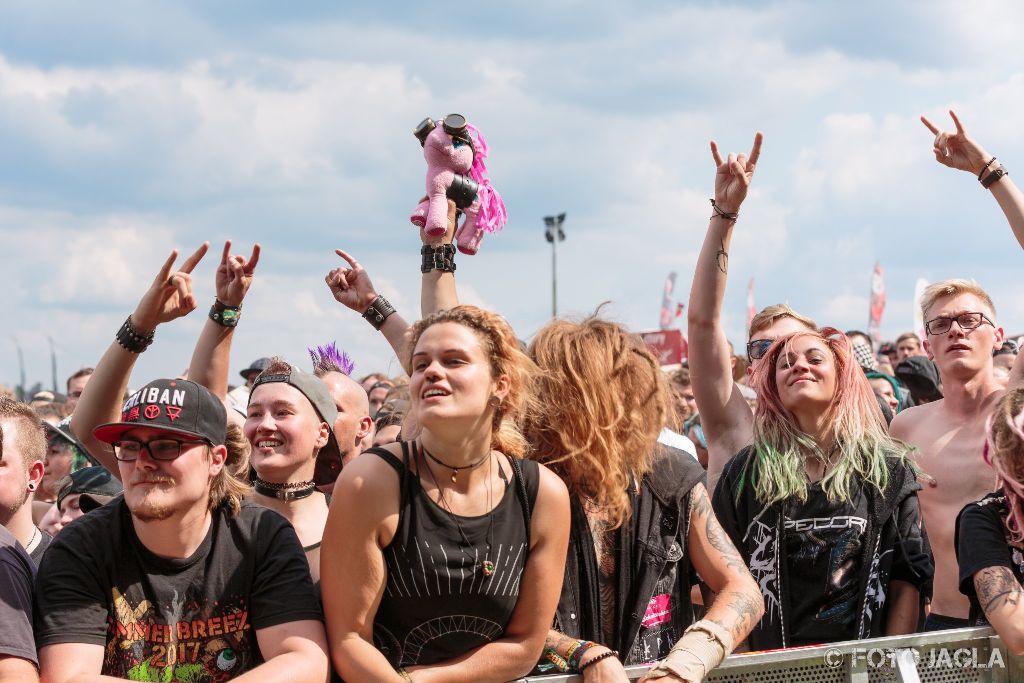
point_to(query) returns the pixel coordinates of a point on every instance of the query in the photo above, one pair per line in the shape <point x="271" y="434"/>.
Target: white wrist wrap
<point x="703" y="647"/>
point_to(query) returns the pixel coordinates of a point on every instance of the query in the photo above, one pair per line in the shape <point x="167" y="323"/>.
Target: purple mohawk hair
<point x="328" y="359"/>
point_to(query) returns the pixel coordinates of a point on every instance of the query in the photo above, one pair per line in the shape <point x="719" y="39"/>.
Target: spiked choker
<point x="286" y="492"/>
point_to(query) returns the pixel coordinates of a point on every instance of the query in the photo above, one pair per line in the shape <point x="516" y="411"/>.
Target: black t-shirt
<point x="45" y="540"/>
<point x="16" y="575"/>
<point x="824" y="541"/>
<point x="192" y="619"/>
<point x="982" y="541"/>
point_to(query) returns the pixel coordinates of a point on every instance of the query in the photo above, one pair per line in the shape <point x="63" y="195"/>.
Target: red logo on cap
<point x="173" y="412"/>
<point x="152" y="412"/>
<point x="133" y="414"/>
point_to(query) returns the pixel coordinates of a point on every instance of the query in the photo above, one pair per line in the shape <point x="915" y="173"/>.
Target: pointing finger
<point x="165" y="270"/>
<point x="715" y="155"/>
<point x="956" y="121"/>
<point x="755" y="151"/>
<point x="253" y="259"/>
<point x="929" y="125"/>
<point x="345" y="255"/>
<point x="195" y="258"/>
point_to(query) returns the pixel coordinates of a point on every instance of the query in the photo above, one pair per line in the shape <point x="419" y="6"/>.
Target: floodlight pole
<point x="554" y="234"/>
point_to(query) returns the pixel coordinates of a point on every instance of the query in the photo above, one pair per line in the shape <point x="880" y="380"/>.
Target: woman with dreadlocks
<point x="990" y="532"/>
<point x="823" y="506"/>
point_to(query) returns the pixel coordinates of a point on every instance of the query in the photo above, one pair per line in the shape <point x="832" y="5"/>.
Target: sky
<point x="128" y="129"/>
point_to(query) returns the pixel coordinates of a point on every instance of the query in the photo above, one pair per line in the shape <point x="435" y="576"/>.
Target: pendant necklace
<point x="486" y="567"/>
<point x="455" y="470"/>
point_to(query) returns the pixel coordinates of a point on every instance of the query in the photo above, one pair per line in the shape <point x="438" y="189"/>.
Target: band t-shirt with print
<point x="982" y="541"/>
<point x="159" y="619"/>
<point x="824" y="545"/>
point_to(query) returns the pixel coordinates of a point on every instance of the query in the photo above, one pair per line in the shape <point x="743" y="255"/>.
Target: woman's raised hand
<point x="733" y="175"/>
<point x="234" y="275"/>
<point x="351" y="286"/>
<point x="955" y="148"/>
<point x="170" y="296"/>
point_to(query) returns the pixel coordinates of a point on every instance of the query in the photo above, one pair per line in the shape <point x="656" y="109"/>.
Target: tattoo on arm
<point x="559" y="642"/>
<point x="723" y="258"/>
<point x="700" y="506"/>
<point x="996" y="587"/>
<point x="747" y="612"/>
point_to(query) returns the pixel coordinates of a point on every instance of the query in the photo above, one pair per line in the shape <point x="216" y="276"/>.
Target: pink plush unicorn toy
<point x="455" y="152"/>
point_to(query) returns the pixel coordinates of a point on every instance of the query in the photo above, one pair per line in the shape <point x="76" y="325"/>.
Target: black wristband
<point x="985" y="168"/>
<point x="993" y="177"/>
<point x="378" y="312"/>
<point x="226" y="316"/>
<point x="132" y="340"/>
<point x="441" y="257"/>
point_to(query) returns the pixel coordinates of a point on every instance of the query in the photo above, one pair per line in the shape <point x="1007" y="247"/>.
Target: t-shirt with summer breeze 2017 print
<point x="173" y="620"/>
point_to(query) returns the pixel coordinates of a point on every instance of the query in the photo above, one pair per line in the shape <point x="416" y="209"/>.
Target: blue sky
<point x="127" y="129"/>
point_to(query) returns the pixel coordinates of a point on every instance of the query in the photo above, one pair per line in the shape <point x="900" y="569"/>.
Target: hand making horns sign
<point x="170" y="296"/>
<point x="956" y="149"/>
<point x="733" y="175"/>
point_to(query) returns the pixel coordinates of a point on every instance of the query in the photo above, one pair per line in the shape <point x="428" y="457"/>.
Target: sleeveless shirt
<point x="438" y="603"/>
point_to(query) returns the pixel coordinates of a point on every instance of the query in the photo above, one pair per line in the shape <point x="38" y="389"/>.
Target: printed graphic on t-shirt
<point x="832" y="544"/>
<point x="187" y="642"/>
<point x="763" y="567"/>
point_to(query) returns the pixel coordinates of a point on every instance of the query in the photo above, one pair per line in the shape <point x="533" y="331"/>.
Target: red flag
<point x="666" y="302"/>
<point x="877" y="304"/>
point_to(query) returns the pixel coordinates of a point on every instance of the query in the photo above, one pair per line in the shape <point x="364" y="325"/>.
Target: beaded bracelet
<point x="595" y="660"/>
<point x="132" y="340"/>
<point x="576" y="652"/>
<point x="724" y="214"/>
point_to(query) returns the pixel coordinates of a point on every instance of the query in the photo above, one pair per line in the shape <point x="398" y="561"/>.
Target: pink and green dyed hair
<point x="1004" y="450"/>
<point x="860" y="441"/>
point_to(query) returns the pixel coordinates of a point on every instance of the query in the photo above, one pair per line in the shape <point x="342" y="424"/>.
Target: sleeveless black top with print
<point x="438" y="603"/>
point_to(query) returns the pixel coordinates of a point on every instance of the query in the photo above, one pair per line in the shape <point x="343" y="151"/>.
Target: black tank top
<point x="438" y="603"/>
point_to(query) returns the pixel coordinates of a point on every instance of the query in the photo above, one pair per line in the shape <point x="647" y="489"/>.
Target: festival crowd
<point x="505" y="509"/>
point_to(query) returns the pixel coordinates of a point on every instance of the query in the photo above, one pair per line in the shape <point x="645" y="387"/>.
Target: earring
<point x="495" y="402"/>
<point x="31" y="487"/>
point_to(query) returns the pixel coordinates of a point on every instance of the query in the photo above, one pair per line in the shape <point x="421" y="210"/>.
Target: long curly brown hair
<point x="506" y="357"/>
<point x="603" y="401"/>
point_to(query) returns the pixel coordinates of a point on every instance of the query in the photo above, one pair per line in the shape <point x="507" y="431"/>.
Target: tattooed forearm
<point x="559" y="642"/>
<point x="996" y="587"/>
<point x="748" y="609"/>
<point x="700" y="507"/>
<point x="722" y="257"/>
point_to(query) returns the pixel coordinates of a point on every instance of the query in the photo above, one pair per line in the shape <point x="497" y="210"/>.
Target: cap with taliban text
<point x="173" y="406"/>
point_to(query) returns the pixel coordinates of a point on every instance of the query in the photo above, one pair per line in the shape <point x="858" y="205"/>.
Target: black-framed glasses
<point x="966" y="321"/>
<point x="128" y="450"/>
<point x="756" y="348"/>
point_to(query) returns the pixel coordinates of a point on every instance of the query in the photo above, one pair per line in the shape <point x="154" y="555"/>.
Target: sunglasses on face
<point x="966" y="321"/>
<point x="159" y="449"/>
<point x="756" y="348"/>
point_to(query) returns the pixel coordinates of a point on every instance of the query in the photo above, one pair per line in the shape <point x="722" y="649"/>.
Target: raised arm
<point x="212" y="355"/>
<point x="956" y="149"/>
<point x="352" y="287"/>
<point x="437" y="292"/>
<point x="168" y="297"/>
<point x="724" y="414"/>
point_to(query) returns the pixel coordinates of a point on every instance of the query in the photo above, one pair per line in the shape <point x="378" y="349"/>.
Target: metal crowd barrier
<point x="967" y="655"/>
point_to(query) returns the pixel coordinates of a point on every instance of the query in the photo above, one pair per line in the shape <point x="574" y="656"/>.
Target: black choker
<point x="286" y="492"/>
<point x="455" y="470"/>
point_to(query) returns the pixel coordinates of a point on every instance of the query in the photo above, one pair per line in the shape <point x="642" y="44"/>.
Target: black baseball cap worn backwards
<point x="176" y="407"/>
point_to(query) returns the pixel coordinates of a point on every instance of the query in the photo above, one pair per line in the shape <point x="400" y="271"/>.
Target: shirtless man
<point x="961" y="334"/>
<point x="725" y="415"/>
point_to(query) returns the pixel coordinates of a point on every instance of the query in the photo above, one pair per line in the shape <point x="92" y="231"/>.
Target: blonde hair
<point x="502" y="350"/>
<point x="603" y="401"/>
<point x="230" y="485"/>
<point x="1004" y="450"/>
<point x="31" y="436"/>
<point x="954" y="287"/>
<point x="858" y="429"/>
<point x="770" y="314"/>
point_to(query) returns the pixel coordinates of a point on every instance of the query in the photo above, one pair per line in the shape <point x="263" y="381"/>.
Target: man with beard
<point x="179" y="579"/>
<point x="22" y="450"/>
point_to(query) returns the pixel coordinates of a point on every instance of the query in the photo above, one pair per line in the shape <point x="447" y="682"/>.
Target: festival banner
<point x="668" y="346"/>
<point x="877" y="304"/>
<point x="667" y="318"/>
